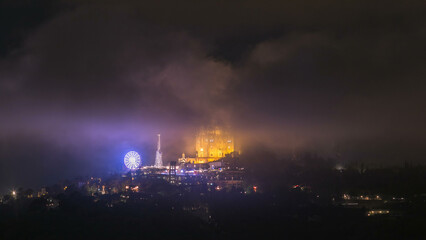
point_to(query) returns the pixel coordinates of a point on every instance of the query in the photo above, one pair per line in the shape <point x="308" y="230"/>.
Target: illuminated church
<point x="211" y="144"/>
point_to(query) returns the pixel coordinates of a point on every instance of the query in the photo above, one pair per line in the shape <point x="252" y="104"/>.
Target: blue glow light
<point x="132" y="160"/>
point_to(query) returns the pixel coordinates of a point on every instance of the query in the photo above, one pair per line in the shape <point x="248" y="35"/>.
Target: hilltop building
<point x="211" y="144"/>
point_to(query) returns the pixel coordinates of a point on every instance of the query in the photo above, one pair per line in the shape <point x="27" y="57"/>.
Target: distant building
<point x="172" y="172"/>
<point x="211" y="144"/>
<point x="42" y="192"/>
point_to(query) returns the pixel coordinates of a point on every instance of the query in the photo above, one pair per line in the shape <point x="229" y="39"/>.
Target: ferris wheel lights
<point x="132" y="160"/>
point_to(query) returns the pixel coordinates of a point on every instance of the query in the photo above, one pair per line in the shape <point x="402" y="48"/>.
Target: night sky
<point x="83" y="82"/>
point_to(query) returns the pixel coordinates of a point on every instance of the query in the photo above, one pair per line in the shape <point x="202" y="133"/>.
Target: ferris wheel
<point x="132" y="160"/>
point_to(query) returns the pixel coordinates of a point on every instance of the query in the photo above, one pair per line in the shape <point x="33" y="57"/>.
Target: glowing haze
<point x="81" y="84"/>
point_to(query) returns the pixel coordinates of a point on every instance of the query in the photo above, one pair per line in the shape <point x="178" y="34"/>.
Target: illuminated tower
<point x="158" y="154"/>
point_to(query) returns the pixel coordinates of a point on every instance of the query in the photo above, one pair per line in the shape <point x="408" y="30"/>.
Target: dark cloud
<point x="88" y="80"/>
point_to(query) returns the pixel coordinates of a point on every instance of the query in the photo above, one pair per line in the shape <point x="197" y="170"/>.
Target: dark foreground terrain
<point x="292" y="214"/>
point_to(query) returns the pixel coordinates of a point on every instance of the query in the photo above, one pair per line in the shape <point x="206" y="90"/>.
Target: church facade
<point x="211" y="144"/>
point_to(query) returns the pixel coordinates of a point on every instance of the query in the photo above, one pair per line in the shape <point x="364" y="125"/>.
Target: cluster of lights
<point x="362" y="197"/>
<point x="377" y="212"/>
